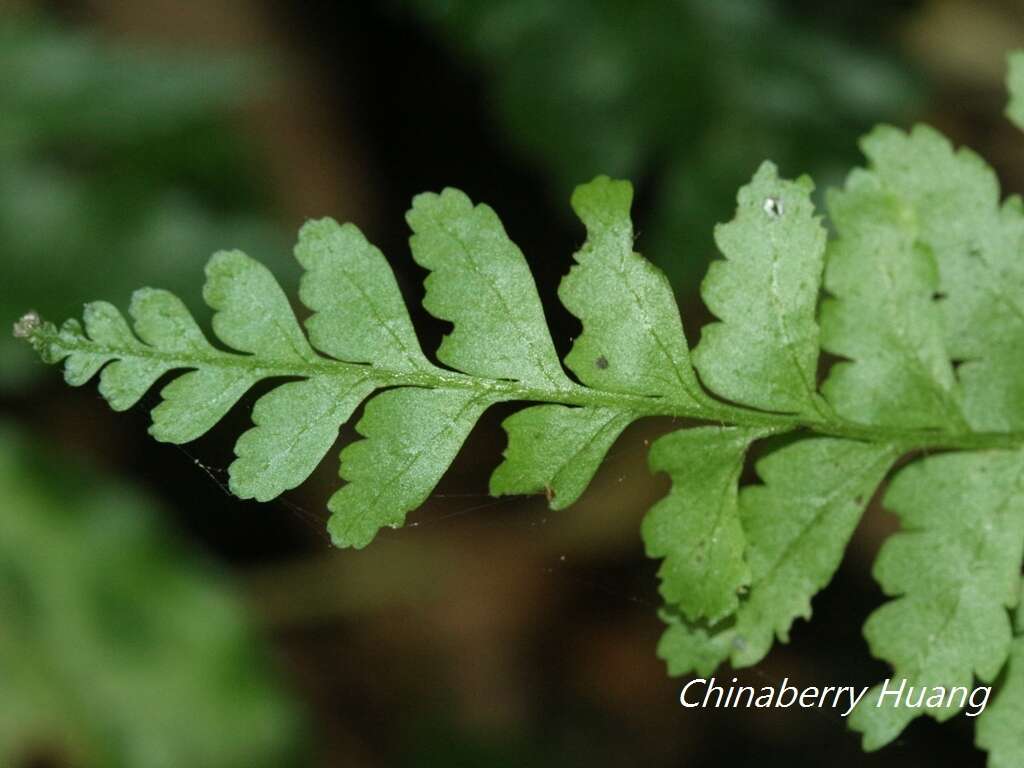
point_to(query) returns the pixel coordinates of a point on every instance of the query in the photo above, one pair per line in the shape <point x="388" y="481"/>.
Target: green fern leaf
<point x="632" y="338"/>
<point x="481" y="283"/>
<point x="797" y="525"/>
<point x="294" y="427"/>
<point x="359" y="314"/>
<point x="696" y="528"/>
<point x="883" y="318"/>
<point x="556" y="449"/>
<point x="412" y="435"/>
<point x="297" y="423"/>
<point x="951" y="199"/>
<point x="954" y="572"/>
<point x="764" y="352"/>
<point x="999" y="725"/>
<point x="632" y="343"/>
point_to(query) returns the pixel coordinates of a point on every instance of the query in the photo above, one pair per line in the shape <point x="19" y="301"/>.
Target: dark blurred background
<point x="148" y="618"/>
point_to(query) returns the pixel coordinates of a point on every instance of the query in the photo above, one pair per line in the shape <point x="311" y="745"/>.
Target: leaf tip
<point x="325" y="225"/>
<point x="600" y="192"/>
<point x="431" y="205"/>
<point x="603" y="205"/>
<point x="27" y="325"/>
<point x="226" y="263"/>
<point x="145" y="300"/>
<point x="42" y="335"/>
<point x="344" y="535"/>
<point x="766" y="171"/>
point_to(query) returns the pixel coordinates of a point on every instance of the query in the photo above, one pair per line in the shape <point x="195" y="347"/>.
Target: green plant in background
<point x="923" y="306"/>
<point x="117" y="648"/>
<point x="688" y="93"/>
<point x="113" y="170"/>
<point x="1015" y="84"/>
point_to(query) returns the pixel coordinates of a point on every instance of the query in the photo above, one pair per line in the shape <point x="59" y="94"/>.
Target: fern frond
<point x="920" y="295"/>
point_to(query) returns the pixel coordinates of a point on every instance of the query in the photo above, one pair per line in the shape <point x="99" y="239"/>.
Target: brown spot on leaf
<point x="601" y="362"/>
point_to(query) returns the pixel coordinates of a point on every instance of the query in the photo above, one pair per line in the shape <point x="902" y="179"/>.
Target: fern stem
<point x="58" y="345"/>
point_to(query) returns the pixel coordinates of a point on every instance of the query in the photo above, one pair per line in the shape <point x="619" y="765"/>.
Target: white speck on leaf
<point x="27" y="325"/>
<point x="773" y="207"/>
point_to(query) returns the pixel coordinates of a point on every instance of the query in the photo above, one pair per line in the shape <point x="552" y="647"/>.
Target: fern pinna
<point x="919" y="295"/>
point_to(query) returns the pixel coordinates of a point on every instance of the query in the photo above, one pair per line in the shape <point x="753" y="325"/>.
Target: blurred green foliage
<point x="116" y="647"/>
<point x="116" y="170"/>
<point x="689" y="94"/>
